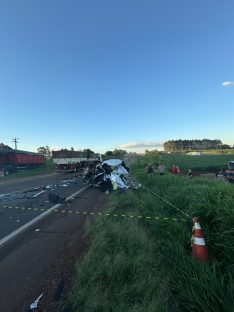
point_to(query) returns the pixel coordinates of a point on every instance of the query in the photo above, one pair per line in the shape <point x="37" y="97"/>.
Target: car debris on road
<point x="35" y="303"/>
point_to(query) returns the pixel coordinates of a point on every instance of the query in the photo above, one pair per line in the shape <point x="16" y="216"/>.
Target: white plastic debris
<point x="66" y="181"/>
<point x="37" y="194"/>
<point x="64" y="185"/>
<point x="37" y="230"/>
<point x="35" y="303"/>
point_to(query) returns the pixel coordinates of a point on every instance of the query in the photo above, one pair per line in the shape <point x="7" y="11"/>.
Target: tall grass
<point x="146" y="265"/>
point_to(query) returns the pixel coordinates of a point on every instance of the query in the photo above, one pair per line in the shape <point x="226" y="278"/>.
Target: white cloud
<point x="227" y="83"/>
<point x="155" y="144"/>
<point x="57" y="148"/>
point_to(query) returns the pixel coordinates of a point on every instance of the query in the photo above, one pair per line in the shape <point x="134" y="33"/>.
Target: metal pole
<point x="15" y="140"/>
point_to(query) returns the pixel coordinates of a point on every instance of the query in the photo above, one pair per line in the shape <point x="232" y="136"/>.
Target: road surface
<point x="32" y="194"/>
<point x="42" y="259"/>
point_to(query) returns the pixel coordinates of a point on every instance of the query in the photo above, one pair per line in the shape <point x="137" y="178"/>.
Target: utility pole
<point x="15" y="140"/>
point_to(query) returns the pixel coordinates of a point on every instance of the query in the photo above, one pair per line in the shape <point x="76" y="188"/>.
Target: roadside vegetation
<point x="136" y="265"/>
<point x="201" y="163"/>
<point x="46" y="169"/>
<point x="219" y="152"/>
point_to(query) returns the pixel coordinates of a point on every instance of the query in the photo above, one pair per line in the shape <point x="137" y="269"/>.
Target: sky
<point x="108" y="74"/>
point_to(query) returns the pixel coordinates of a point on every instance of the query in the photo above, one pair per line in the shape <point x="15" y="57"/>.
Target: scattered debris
<point x="37" y="194"/>
<point x="35" y="303"/>
<point x="37" y="197"/>
<point x="56" y="199"/>
<point x="37" y="230"/>
<point x="48" y="186"/>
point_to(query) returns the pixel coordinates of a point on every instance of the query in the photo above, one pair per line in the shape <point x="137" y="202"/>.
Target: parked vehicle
<point x="14" y="160"/>
<point x="73" y="161"/>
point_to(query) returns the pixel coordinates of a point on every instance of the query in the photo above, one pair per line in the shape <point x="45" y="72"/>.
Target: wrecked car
<point x="111" y="174"/>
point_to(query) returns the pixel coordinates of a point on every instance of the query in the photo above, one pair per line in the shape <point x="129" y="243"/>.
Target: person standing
<point x="161" y="169"/>
<point x="175" y="169"/>
<point x="150" y="170"/>
<point x="190" y="174"/>
<point x="178" y="169"/>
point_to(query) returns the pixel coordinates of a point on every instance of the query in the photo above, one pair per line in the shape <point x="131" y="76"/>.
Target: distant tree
<point x="119" y="152"/>
<point x="184" y="145"/>
<point x="151" y="153"/>
<point x="72" y="149"/>
<point x="45" y="151"/>
<point x="116" y="153"/>
<point x="225" y="146"/>
<point x="109" y="153"/>
<point x="4" y="147"/>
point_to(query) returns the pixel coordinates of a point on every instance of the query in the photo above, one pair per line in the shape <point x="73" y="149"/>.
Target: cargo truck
<point x="14" y="160"/>
<point x="73" y="161"/>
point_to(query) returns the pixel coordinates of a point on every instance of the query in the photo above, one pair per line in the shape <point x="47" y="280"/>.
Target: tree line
<point x="187" y="145"/>
<point x="5" y="147"/>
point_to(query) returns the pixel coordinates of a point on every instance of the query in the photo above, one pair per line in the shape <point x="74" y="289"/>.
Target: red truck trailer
<point x="11" y="161"/>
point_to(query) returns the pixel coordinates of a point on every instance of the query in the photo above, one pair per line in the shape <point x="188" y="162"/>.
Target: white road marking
<point x="24" y="227"/>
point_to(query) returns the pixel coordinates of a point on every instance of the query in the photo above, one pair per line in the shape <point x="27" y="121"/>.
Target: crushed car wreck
<point x="110" y="175"/>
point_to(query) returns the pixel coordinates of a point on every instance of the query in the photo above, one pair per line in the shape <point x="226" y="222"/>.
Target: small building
<point x="194" y="153"/>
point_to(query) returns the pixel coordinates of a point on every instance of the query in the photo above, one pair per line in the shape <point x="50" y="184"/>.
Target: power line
<point x="15" y="140"/>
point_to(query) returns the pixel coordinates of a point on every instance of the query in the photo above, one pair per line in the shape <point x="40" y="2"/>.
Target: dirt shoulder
<point x="43" y="261"/>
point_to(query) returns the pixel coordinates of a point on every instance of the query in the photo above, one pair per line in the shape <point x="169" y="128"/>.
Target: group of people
<point x="162" y="170"/>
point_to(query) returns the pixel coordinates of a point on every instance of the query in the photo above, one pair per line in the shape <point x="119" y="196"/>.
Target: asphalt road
<point x="21" y="184"/>
<point x="42" y="260"/>
<point x="24" y="199"/>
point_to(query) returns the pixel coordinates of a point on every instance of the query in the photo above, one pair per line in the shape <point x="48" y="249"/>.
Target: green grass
<point x="203" y="163"/>
<point x="145" y="265"/>
<point x="218" y="152"/>
<point x="46" y="169"/>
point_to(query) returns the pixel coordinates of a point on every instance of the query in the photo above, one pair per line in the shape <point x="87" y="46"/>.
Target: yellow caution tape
<point x="98" y="213"/>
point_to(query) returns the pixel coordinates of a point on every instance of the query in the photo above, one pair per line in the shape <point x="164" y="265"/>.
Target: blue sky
<point x="103" y="74"/>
